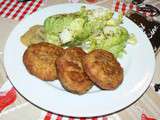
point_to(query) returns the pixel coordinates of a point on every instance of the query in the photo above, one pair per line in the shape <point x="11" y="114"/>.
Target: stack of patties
<point x="76" y="70"/>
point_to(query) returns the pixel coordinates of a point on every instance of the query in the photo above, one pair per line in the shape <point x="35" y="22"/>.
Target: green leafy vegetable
<point x="132" y="39"/>
<point x="91" y="29"/>
<point x="52" y="38"/>
<point x="115" y="22"/>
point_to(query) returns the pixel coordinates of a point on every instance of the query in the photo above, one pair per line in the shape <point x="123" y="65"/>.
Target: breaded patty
<point x="71" y="73"/>
<point x="40" y="58"/>
<point x="103" y="69"/>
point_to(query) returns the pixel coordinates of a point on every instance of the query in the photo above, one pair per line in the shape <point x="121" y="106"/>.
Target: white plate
<point x="138" y="64"/>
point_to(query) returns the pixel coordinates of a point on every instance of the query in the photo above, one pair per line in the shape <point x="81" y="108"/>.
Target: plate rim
<point x="134" y="98"/>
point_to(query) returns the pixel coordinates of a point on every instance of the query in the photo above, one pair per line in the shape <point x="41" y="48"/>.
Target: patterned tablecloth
<point x="145" y="108"/>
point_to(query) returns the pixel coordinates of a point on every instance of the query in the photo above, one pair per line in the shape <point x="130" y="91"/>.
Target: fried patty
<point x="71" y="73"/>
<point x="39" y="59"/>
<point x="103" y="69"/>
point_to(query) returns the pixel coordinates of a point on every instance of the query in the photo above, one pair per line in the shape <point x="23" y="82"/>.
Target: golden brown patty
<point x="39" y="60"/>
<point x="103" y="69"/>
<point x="71" y="73"/>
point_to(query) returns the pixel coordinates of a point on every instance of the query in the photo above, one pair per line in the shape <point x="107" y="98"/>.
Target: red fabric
<point x="117" y="5"/>
<point x="59" y="117"/>
<point x="123" y="8"/>
<point x="5" y="8"/>
<point x="95" y="118"/>
<point x="48" y="116"/>
<point x="37" y="6"/>
<point x="3" y="2"/>
<point x="145" y="117"/>
<point x="11" y="9"/>
<point x="17" y="10"/>
<point x="130" y="6"/>
<point x="92" y="1"/>
<point x="7" y="99"/>
<point x="26" y="10"/>
<point x="104" y="118"/>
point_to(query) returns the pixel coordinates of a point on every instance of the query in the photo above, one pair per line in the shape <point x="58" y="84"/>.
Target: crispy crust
<point x="39" y="59"/>
<point x="103" y="69"/>
<point x="71" y="72"/>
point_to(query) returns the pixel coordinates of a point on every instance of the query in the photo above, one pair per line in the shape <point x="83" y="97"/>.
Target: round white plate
<point x="138" y="64"/>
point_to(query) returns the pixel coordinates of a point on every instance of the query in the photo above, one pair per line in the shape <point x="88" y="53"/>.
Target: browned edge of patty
<point x="115" y="78"/>
<point x="69" y="59"/>
<point x="37" y="59"/>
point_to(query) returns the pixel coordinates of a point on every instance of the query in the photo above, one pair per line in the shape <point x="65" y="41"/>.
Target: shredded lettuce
<point x="112" y="39"/>
<point x="52" y="38"/>
<point x="94" y="29"/>
<point x="132" y="39"/>
<point x="76" y="26"/>
<point x="55" y="24"/>
<point x="115" y="21"/>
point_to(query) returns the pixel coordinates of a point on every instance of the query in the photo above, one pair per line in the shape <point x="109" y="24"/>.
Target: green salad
<point x="90" y="29"/>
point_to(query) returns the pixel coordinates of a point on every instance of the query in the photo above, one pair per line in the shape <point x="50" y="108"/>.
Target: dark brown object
<point x="71" y="73"/>
<point x="40" y="58"/>
<point x="151" y="28"/>
<point x="103" y="69"/>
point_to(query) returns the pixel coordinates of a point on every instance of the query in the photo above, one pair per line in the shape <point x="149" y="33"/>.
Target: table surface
<point x="148" y="103"/>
